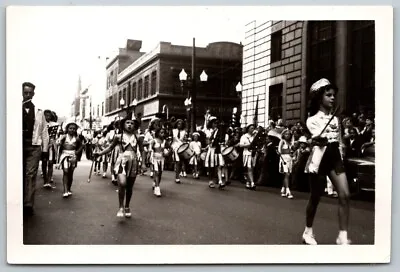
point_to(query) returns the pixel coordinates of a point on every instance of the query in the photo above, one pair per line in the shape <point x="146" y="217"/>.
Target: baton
<point x="330" y="120"/>
<point x="91" y="170"/>
<point x="284" y="162"/>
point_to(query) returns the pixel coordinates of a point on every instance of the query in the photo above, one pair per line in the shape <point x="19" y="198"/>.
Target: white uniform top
<point x="177" y="139"/>
<point x="316" y="124"/>
<point x="110" y="136"/>
<point x="195" y="146"/>
<point x="246" y="139"/>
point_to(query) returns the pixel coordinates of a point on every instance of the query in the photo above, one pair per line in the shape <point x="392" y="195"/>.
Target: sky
<point x="52" y="46"/>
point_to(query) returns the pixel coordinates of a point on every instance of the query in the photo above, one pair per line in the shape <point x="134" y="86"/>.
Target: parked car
<point x="361" y="172"/>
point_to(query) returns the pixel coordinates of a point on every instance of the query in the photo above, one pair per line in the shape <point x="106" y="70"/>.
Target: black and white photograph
<point x="155" y="135"/>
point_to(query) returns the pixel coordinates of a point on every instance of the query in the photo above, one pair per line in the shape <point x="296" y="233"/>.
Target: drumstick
<point x="91" y="170"/>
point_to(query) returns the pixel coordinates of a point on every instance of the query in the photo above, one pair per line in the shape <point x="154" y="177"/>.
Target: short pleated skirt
<point x="331" y="160"/>
<point x="285" y="164"/>
<point x="214" y="159"/>
<point x="68" y="159"/>
<point x="126" y="164"/>
<point x="194" y="160"/>
<point x="249" y="161"/>
<point x="51" y="156"/>
<point x="114" y="154"/>
<point x="158" y="161"/>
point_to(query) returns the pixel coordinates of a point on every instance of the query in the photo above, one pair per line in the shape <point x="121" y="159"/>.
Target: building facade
<point x="281" y="60"/>
<point x="153" y="80"/>
<point x="122" y="60"/>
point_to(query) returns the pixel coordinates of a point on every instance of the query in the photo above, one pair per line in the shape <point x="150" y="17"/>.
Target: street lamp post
<point x="190" y="102"/>
<point x="188" y="105"/>
<point x="239" y="89"/>
<point x="90" y="115"/>
<point x="122" y="104"/>
<point x="133" y="105"/>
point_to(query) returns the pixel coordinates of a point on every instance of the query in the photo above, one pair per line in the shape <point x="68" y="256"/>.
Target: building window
<point x="111" y="81"/>
<point x="133" y="91"/>
<point x="362" y="71"/>
<point x="110" y="105"/>
<point x="146" y="86"/>
<point x="140" y="89"/>
<point x="98" y="110"/>
<point x="119" y="99"/>
<point x="275" y="101"/>
<point x="153" y="82"/>
<point x="102" y="108"/>
<point x="276" y="46"/>
<point x="321" y="51"/>
<point x="124" y="97"/>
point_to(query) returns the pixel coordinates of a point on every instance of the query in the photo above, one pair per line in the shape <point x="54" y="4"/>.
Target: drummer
<point x="214" y="158"/>
<point x="249" y="158"/>
<point x="224" y="144"/>
<point x="178" y="136"/>
<point x="195" y="145"/>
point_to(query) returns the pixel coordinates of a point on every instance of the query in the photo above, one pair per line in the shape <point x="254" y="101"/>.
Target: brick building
<point x="153" y="80"/>
<point x="281" y="60"/>
<point x="123" y="59"/>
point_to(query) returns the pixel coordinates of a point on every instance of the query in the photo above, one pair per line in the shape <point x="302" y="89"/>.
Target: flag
<point x="255" y="119"/>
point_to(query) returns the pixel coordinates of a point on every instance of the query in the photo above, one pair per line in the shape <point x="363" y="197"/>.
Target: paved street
<point x="187" y="213"/>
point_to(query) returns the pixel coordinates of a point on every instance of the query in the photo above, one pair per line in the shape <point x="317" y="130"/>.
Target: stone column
<point x="341" y="63"/>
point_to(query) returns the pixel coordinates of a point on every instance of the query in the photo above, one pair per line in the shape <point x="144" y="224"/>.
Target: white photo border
<point x="18" y="253"/>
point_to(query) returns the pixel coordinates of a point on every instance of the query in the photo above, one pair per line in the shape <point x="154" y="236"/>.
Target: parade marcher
<point x="249" y="158"/>
<point x="325" y="158"/>
<point x="286" y="161"/>
<point x="83" y="141"/>
<point x="214" y="159"/>
<point x="114" y="130"/>
<point x="97" y="148"/>
<point x="178" y="135"/>
<point x="224" y="144"/>
<point x="236" y="171"/>
<point x="35" y="141"/>
<point x="159" y="149"/>
<point x="299" y="163"/>
<point x="103" y="142"/>
<point x="148" y="137"/>
<point x="195" y="145"/>
<point x="89" y="146"/>
<point x="50" y="158"/>
<point x="126" y="165"/>
<point x="70" y="146"/>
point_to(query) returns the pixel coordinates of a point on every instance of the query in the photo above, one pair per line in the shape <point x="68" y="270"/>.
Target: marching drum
<point x="230" y="153"/>
<point x="203" y="155"/>
<point x="185" y="152"/>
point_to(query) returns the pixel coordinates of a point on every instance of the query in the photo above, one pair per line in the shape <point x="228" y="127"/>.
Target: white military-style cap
<point x="318" y="84"/>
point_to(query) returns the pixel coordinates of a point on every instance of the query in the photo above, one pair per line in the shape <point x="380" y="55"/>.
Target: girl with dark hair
<point x="70" y="147"/>
<point x="178" y="136"/>
<point x="214" y="158"/>
<point x="113" y="131"/>
<point x="249" y="158"/>
<point x="50" y="158"/>
<point x="126" y="165"/>
<point x="148" y="137"/>
<point x="286" y="161"/>
<point x="159" y="150"/>
<point x="97" y="148"/>
<point x="325" y="159"/>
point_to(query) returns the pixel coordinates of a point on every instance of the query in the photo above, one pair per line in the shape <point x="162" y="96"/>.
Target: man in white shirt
<point x="35" y="140"/>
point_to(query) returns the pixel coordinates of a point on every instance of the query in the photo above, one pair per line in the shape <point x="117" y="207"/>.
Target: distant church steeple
<point x="78" y="91"/>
